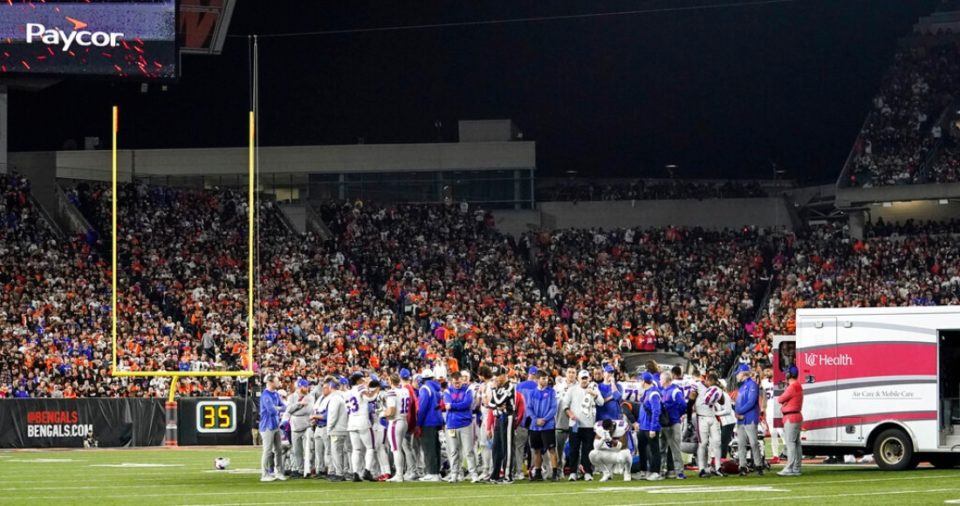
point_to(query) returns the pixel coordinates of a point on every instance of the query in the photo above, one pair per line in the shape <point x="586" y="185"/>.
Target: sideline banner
<point x="66" y="423"/>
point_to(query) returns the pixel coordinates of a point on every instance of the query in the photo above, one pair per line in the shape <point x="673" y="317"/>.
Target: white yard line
<point x="504" y="496"/>
<point x="276" y="486"/>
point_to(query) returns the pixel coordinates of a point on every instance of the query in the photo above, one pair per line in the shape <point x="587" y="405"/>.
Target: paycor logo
<point x="815" y="359"/>
<point x="57" y="37"/>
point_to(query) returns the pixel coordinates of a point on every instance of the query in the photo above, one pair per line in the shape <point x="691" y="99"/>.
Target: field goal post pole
<point x="171" y="408"/>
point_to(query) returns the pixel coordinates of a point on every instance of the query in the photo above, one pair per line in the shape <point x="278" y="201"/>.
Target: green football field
<point x="186" y="476"/>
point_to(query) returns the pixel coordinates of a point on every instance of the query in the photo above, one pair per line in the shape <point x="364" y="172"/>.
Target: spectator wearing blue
<point x="271" y="405"/>
<point x="458" y="401"/>
<point x="429" y="422"/>
<point x="675" y="404"/>
<point x="651" y="405"/>
<point x="610" y="391"/>
<point x="541" y="414"/>
<point x="747" y="411"/>
<point x="522" y="435"/>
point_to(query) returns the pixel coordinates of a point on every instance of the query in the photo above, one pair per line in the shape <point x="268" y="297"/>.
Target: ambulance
<point x="884" y="381"/>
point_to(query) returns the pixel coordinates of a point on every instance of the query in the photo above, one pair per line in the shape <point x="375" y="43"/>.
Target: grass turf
<point x="186" y="476"/>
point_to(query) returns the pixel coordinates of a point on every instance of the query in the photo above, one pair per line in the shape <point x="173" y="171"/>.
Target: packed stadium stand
<point x="903" y="138"/>
<point x="405" y="285"/>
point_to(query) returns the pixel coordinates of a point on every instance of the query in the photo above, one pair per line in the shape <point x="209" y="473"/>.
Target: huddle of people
<point x="497" y="427"/>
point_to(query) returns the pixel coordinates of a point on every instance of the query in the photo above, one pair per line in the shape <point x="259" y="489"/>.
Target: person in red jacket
<point x="791" y="402"/>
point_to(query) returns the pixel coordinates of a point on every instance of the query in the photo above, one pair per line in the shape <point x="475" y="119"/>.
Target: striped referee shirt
<point x="504" y="399"/>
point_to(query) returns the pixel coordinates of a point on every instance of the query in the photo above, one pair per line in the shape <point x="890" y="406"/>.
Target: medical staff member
<point x="791" y="402"/>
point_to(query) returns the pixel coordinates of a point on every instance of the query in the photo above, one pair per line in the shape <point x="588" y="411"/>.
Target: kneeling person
<point x="610" y="453"/>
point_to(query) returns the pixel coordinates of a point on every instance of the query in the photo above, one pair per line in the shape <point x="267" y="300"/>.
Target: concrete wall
<point x="847" y="197"/>
<point x="920" y="210"/>
<point x="516" y="223"/>
<point x="299" y="159"/>
<point x="711" y="213"/>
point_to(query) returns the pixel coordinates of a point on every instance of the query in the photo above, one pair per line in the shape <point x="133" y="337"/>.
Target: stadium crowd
<point x="417" y="286"/>
<point x="901" y="129"/>
<point x="651" y="190"/>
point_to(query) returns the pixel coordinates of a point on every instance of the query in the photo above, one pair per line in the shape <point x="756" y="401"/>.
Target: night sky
<point x="720" y="92"/>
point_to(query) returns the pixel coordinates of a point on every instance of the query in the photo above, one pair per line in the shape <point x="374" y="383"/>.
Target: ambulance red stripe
<point x="825" y="423"/>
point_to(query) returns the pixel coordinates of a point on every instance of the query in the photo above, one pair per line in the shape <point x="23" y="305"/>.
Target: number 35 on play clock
<point x="216" y="416"/>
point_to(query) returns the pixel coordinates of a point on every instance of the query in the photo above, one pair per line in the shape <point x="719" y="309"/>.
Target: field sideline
<point x="186" y="477"/>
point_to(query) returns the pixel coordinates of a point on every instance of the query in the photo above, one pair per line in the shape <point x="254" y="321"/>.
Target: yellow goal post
<point x="251" y="213"/>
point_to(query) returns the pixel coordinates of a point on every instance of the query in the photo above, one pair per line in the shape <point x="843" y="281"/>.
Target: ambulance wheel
<point x="893" y="451"/>
<point x="944" y="461"/>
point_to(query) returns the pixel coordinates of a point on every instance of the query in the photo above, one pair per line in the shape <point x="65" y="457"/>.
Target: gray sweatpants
<point x="791" y="439"/>
<point x="321" y="450"/>
<point x="562" y="436"/>
<point x="338" y="453"/>
<point x="520" y="438"/>
<point x="298" y="441"/>
<point x="461" y="447"/>
<point x="272" y="449"/>
<point x="672" y="435"/>
<point x="745" y="433"/>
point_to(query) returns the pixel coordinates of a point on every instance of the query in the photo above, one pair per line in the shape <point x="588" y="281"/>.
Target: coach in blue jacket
<point x="429" y="422"/>
<point x="458" y="401"/>
<point x="651" y="404"/>
<point x="747" y="410"/>
<point x="541" y="414"/>
<point x="271" y="405"/>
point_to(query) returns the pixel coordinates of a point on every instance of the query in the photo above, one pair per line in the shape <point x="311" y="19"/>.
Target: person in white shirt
<point x="322" y="460"/>
<point x="610" y="452"/>
<point x="398" y="408"/>
<point x="484" y="391"/>
<point x="728" y="419"/>
<point x="299" y="407"/>
<point x="770" y="409"/>
<point x="337" y="428"/>
<point x="706" y="395"/>
<point x="358" y="400"/>
<point x="580" y="404"/>
<point x="563" y="421"/>
<point x="380" y="423"/>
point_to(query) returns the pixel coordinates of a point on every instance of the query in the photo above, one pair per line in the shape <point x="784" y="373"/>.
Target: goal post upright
<point x="171" y="405"/>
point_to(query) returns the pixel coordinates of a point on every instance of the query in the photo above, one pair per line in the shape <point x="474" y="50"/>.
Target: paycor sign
<point x="57" y="37"/>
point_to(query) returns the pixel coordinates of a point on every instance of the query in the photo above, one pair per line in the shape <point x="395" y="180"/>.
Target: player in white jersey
<point x="610" y="452"/>
<point x="380" y="433"/>
<point x="485" y="391"/>
<point x="770" y="408"/>
<point x="706" y="395"/>
<point x="632" y="391"/>
<point x="360" y="426"/>
<point x="398" y="407"/>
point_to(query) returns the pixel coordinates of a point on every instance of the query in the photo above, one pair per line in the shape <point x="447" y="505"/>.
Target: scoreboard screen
<point x="218" y="416"/>
<point x="126" y="39"/>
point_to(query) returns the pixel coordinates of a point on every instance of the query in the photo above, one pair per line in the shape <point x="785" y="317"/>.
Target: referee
<point x="502" y="406"/>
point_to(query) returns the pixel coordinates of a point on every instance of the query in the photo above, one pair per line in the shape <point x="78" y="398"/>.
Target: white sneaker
<point x="268" y="477"/>
<point x="626" y="476"/>
<point x="396" y="479"/>
<point x="431" y="478"/>
<point x="573" y="477"/>
<point x="281" y="477"/>
<point x="519" y="477"/>
<point x="474" y="478"/>
<point x="605" y="477"/>
<point x="588" y="477"/>
<point x="639" y="475"/>
<point x="654" y="477"/>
